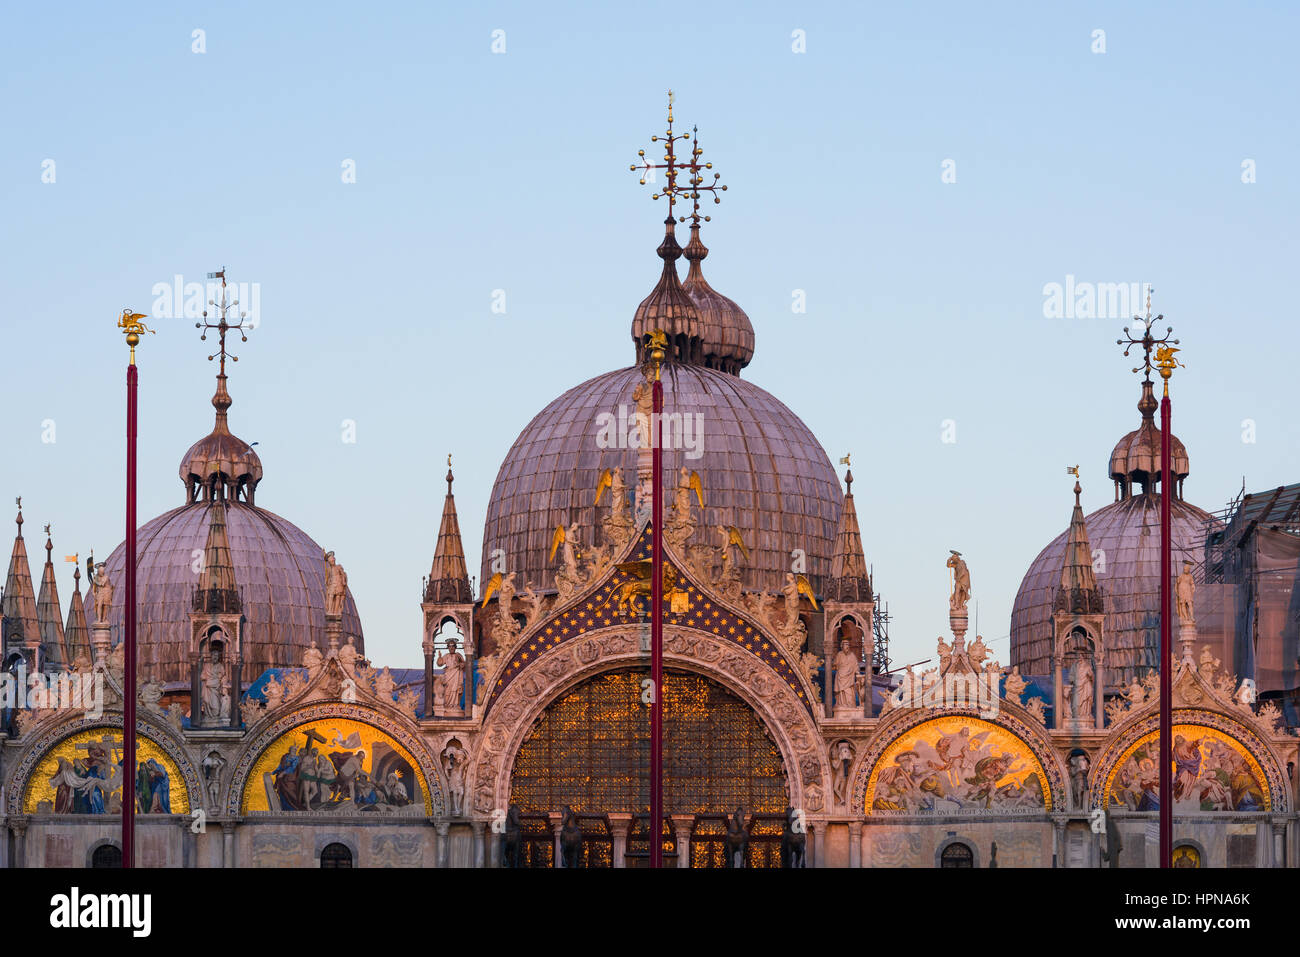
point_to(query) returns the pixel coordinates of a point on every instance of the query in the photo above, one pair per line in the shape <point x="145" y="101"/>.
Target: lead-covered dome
<point x="1125" y="539"/>
<point x="279" y="569"/>
<point x="762" y="470"/>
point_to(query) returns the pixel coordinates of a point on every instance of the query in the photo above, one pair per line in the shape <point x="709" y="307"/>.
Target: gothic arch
<point x="562" y="668"/>
<point x="270" y="729"/>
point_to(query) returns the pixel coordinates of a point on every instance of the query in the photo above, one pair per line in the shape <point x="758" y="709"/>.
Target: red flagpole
<point x="657" y="634"/>
<point x="1166" y="643"/>
<point x="128" y="638"/>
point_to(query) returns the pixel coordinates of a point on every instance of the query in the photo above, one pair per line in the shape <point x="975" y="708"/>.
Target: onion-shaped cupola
<point x="1136" y="458"/>
<point x="221" y="466"/>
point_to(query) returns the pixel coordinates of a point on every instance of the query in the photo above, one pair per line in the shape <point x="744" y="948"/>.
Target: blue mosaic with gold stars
<point x="624" y="599"/>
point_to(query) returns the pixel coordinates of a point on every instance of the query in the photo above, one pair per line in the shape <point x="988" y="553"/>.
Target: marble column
<point x="1279" y="843"/>
<point x="480" y="839"/>
<point x="682" y="824"/>
<point x="227" y="843"/>
<point x="494" y="845"/>
<point x="620" y="825"/>
<point x="1058" y="843"/>
<point x="444" y="843"/>
<point x="855" y="843"/>
<point x="556" y="820"/>
<point x="818" y="834"/>
<point x="20" y="843"/>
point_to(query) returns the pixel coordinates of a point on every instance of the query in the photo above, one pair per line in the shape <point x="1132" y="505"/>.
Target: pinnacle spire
<point x="448" y="577"/>
<point x="76" y="634"/>
<point x="19" y="606"/>
<point x="849" y="580"/>
<point x="1078" y="591"/>
<point x="49" y="616"/>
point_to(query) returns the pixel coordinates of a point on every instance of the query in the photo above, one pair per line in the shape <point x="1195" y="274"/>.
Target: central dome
<point x="762" y="470"/>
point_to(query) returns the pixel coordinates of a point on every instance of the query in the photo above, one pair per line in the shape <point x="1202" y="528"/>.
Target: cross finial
<point x="1147" y="341"/>
<point x="674" y="166"/>
<point x="223" y="323"/>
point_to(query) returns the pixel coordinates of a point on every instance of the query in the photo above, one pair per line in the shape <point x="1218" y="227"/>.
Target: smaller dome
<point x="727" y="332"/>
<point x="669" y="308"/>
<point x="1136" y="457"/>
<point x="221" y="463"/>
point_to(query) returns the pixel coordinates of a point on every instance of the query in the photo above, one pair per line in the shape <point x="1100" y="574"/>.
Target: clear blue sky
<point x="479" y="171"/>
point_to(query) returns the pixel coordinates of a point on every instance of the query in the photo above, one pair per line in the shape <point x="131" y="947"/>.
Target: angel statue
<point x="795" y="585"/>
<point x="503" y="585"/>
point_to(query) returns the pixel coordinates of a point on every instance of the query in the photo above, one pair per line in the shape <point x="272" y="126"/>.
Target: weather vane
<point x="674" y="166"/>
<point x="223" y="323"/>
<point x="1165" y="360"/>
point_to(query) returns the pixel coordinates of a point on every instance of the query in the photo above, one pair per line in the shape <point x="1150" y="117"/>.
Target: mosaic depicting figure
<point x="957" y="765"/>
<point x="83" y="775"/>
<point x="1211" y="772"/>
<point x="335" y="766"/>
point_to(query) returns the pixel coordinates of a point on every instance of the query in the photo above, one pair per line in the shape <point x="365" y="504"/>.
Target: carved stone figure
<point x="215" y="688"/>
<point x="846" y="676"/>
<point x="977" y="652"/>
<point x="1185" y="592"/>
<point x="336" y="587"/>
<point x="449" y="685"/>
<point x="151" y="694"/>
<point x="212" y="765"/>
<point x="506" y="627"/>
<point x="311" y="660"/>
<point x="841" y="761"/>
<point x="618" y="524"/>
<point x="348" y="655"/>
<point x="960" y="582"/>
<point x="1136" y="694"/>
<point x="274" y="692"/>
<point x="536" y="606"/>
<point x="1079" y="780"/>
<point x="1015" y="684"/>
<point x="1083" y="693"/>
<point x="570" y="576"/>
<point x="1209" y="664"/>
<point x="385" y="686"/>
<point x="103" y="594"/>
<point x="454" y="762"/>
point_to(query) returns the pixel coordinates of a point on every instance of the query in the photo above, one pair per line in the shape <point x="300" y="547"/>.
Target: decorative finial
<point x="223" y="323"/>
<point x="673" y="167"/>
<point x="656" y="348"/>
<point x="1147" y="341"/>
<point x="19" y="519"/>
<point x="448" y="473"/>
<point x="848" y="476"/>
<point x="129" y="322"/>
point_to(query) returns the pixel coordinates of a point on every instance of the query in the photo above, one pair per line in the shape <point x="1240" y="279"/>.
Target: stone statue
<point x="1083" y="692"/>
<point x="506" y="626"/>
<point x="212" y="765"/>
<point x="1015" y="685"/>
<point x="945" y="653"/>
<point x="846" y="676"/>
<point x="1066" y="708"/>
<point x="841" y="761"/>
<point x="103" y="594"/>
<point x="336" y="587"/>
<point x="570" y="837"/>
<point x="618" y="524"/>
<point x="348" y="655"/>
<point x="151" y="694"/>
<point x="1079" y="780"/>
<point x="536" y="605"/>
<point x="215" y="688"/>
<point x="960" y="582"/>
<point x="311" y="660"/>
<point x="643" y="396"/>
<point x="1185" y="591"/>
<point x="794" y="838"/>
<point x="1136" y="694"/>
<point x="385" y="686"/>
<point x="737" y="839"/>
<point x="454" y="760"/>
<point x="274" y="692"/>
<point x="449" y="685"/>
<point x="1209" y="664"/>
<point x="977" y="652"/>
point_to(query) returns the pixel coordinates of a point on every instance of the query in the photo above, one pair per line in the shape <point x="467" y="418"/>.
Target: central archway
<point x="590" y="749"/>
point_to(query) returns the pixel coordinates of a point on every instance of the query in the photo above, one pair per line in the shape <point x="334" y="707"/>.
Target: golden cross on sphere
<point x="674" y="166"/>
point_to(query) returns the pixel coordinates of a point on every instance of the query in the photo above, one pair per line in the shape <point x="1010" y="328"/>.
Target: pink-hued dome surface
<point x="279" y="570"/>
<point x="761" y="467"/>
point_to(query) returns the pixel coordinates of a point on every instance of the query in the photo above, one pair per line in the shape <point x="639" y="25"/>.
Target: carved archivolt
<point x="559" y="668"/>
<point x="161" y="734"/>
<point x="264" y="734"/>
<point x="1120" y="743"/>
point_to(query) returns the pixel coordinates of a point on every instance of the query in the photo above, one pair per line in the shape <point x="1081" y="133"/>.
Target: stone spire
<point x="19" y="606"/>
<point x="49" y="615"/>
<point x="849" y="581"/>
<point x="217" y="591"/>
<point x="449" y="576"/>
<point x="1078" y="592"/>
<point x="76" y="634"/>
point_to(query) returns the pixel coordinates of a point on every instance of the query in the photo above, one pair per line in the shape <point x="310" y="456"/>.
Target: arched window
<point x="957" y="854"/>
<point x="106" y="855"/>
<point x="335" y="855"/>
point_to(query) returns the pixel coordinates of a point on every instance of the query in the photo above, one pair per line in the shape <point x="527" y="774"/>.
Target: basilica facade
<point x="267" y="738"/>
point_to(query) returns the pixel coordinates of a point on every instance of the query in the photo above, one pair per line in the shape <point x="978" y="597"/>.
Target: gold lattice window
<point x="591" y="750"/>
